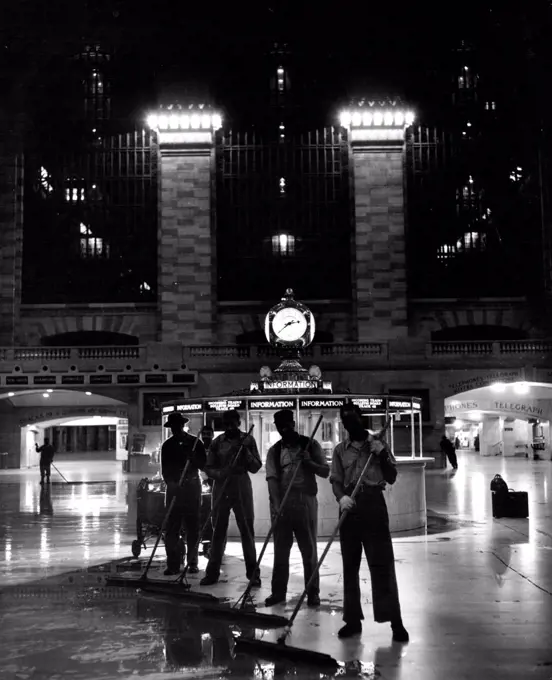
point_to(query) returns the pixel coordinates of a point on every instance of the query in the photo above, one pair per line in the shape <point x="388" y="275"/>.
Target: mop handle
<point x="329" y="544"/>
<point x="168" y="513"/>
<point x="59" y="473"/>
<point x="279" y="513"/>
<point x="216" y="503"/>
<point x="225" y="483"/>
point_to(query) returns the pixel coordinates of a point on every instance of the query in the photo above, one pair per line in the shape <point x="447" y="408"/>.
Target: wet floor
<point x="476" y="593"/>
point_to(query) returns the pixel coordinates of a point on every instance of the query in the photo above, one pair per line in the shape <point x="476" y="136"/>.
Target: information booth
<point x="405" y="499"/>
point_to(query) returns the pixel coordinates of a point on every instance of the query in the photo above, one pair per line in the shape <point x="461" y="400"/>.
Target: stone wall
<point x="11" y="235"/>
<point x="38" y="322"/>
<point x="380" y="260"/>
<point x="186" y="247"/>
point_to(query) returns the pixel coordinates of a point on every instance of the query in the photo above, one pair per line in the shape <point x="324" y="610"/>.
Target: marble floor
<point x="476" y="593"/>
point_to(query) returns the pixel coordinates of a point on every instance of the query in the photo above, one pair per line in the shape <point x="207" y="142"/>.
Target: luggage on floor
<point x="507" y="502"/>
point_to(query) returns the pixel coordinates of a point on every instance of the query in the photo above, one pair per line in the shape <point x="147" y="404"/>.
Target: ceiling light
<point x="49" y="391"/>
<point x="88" y="394"/>
<point x="46" y="395"/>
<point x="498" y="387"/>
<point x="521" y="388"/>
<point x="11" y="394"/>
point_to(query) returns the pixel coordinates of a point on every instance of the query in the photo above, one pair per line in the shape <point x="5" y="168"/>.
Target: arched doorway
<point x="502" y="419"/>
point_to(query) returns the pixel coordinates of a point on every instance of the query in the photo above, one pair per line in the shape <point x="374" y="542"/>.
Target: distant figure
<point x="476" y="442"/>
<point x="457" y="443"/>
<point x="447" y="447"/>
<point x="46" y="458"/>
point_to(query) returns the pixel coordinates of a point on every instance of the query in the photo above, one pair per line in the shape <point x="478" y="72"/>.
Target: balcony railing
<point x="196" y="356"/>
<point x="47" y="354"/>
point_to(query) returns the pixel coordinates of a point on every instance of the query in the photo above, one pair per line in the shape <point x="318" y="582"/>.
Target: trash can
<point x="4" y="460"/>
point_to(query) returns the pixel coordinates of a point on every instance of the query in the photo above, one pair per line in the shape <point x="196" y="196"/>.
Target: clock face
<point x="289" y="324"/>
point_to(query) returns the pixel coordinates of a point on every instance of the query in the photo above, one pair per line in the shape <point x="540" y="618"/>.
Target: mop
<point x="238" y="610"/>
<point x="210" y="605"/>
<point x="80" y="482"/>
<point x="279" y="649"/>
<point x="142" y="581"/>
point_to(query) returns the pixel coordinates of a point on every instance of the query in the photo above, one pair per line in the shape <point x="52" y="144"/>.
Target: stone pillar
<point x="186" y="235"/>
<point x="491" y="441"/>
<point x="11" y="231"/>
<point x="379" y="260"/>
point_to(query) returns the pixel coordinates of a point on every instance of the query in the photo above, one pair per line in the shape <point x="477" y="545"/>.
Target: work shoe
<point x="313" y="601"/>
<point x="274" y="599"/>
<point x="400" y="634"/>
<point x="170" y="572"/>
<point x="193" y="570"/>
<point x="350" y="629"/>
<point x="208" y="581"/>
<point x="256" y="583"/>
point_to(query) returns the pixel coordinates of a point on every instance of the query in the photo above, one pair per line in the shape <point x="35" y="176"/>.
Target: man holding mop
<point x="175" y="452"/>
<point x="366" y="525"/>
<point x="231" y="479"/>
<point x="300" y="515"/>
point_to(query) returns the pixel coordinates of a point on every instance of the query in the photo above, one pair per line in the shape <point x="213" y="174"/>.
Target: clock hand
<point x="288" y="324"/>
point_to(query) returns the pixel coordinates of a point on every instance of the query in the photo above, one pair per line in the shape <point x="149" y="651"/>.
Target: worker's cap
<point x="284" y="416"/>
<point x="232" y="414"/>
<point x="176" y="418"/>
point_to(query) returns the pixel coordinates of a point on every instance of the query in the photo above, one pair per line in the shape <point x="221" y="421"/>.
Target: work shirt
<point x="174" y="454"/>
<point x="349" y="459"/>
<point x="305" y="479"/>
<point x="46" y="453"/>
<point x="223" y="450"/>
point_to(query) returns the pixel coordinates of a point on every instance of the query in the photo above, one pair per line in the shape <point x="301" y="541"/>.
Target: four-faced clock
<point x="290" y="323"/>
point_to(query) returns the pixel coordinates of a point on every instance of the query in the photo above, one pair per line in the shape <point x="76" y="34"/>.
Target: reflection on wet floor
<point x="476" y="593"/>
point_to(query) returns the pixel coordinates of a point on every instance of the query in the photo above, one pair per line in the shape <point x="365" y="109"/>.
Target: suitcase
<point x="510" y="504"/>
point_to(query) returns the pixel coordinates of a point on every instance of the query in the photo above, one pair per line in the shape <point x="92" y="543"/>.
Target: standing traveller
<point x="300" y="514"/>
<point x="46" y="459"/>
<point x="238" y="495"/>
<point x="447" y="447"/>
<point x="366" y="525"/>
<point x="175" y="452"/>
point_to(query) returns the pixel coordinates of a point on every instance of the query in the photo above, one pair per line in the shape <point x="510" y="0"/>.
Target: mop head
<point x="278" y="651"/>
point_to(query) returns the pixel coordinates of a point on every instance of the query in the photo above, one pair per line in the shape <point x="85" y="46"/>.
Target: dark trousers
<point x="184" y="517"/>
<point x="451" y="455"/>
<point x="300" y="520"/>
<point x="45" y="469"/>
<point x="238" y="497"/>
<point x="368" y="527"/>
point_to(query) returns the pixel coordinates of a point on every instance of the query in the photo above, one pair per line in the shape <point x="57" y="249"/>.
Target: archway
<point x="83" y="427"/>
<point x="510" y="419"/>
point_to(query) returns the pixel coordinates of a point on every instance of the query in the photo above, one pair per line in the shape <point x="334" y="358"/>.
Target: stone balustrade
<point x="373" y="354"/>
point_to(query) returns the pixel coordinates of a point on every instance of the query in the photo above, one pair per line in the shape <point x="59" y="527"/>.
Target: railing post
<point x="496" y="349"/>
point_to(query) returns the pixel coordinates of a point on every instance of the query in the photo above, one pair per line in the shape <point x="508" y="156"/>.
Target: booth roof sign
<point x="224" y="404"/>
<point x="191" y="407"/>
<point x="270" y="404"/>
<point x="316" y="402"/>
<point x="400" y="403"/>
<point x="290" y="385"/>
<point x="370" y="403"/>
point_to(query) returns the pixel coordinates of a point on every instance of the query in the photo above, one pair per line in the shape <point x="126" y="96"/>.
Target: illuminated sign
<point x="224" y="404"/>
<point x="399" y="404"/>
<point x="186" y="408"/>
<point x="290" y="385"/>
<point x="316" y="402"/>
<point x="369" y="404"/>
<point x="17" y="380"/>
<point x="270" y="404"/>
<point x="44" y="380"/>
<point x="102" y="379"/>
<point x="73" y="379"/>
